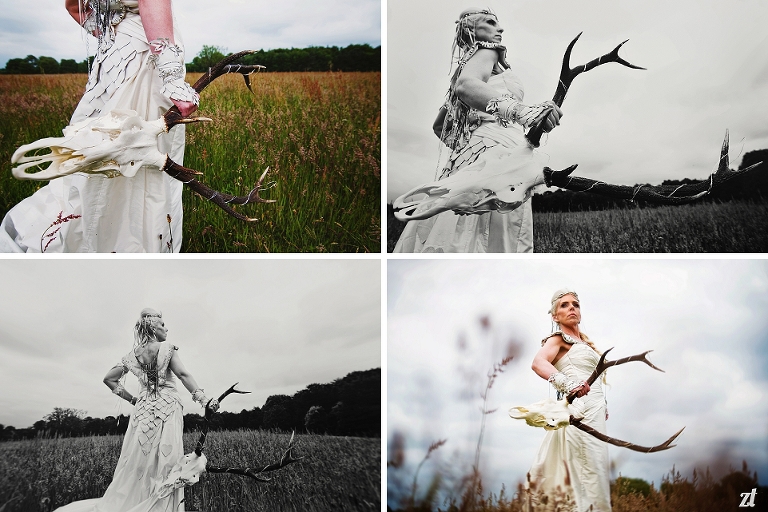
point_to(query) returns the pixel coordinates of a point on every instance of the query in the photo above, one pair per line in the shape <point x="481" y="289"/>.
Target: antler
<point x="603" y="365"/>
<point x="256" y="474"/>
<point x="187" y="176"/>
<point x="287" y="457"/>
<point x="576" y="422"/>
<point x="663" y="194"/>
<point x="567" y="74"/>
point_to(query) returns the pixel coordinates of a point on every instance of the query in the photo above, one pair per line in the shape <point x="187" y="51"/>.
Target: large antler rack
<point x="187" y="176"/>
<point x="603" y="365"/>
<point x="660" y="194"/>
<point x="256" y="472"/>
<point x="567" y="74"/>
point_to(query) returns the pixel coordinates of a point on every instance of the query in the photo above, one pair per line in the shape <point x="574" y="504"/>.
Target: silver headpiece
<point x="144" y="330"/>
<point x="559" y="294"/>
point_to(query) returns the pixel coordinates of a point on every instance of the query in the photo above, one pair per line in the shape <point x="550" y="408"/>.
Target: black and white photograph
<point x="658" y="145"/>
<point x="193" y="385"/>
<point x="660" y="366"/>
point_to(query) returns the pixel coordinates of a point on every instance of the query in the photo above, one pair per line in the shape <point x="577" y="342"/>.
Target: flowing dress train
<point x="489" y="145"/>
<point x="138" y="214"/>
<point x="151" y="447"/>
<point x="570" y="460"/>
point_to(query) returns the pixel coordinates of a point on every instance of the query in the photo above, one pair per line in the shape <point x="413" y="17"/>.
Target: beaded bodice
<point x="158" y="397"/>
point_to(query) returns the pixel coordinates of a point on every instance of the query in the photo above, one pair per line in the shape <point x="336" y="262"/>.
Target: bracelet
<point x="168" y="58"/>
<point x="562" y="383"/>
<point x="198" y="396"/>
<point x="507" y="109"/>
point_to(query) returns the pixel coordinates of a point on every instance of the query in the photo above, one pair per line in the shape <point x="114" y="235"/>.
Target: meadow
<point x="734" y="226"/>
<point x="338" y="473"/>
<point x="319" y="134"/>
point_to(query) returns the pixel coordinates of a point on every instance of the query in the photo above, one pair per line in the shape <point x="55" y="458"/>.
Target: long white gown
<point x="571" y="453"/>
<point x="152" y="445"/>
<point x="490" y="144"/>
<point x="109" y="214"/>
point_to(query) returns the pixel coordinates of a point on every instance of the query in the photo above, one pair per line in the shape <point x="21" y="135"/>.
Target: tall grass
<point x="319" y="133"/>
<point x="338" y="473"/>
<point x="735" y="226"/>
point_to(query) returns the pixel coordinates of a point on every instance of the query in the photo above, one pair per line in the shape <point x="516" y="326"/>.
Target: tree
<point x="315" y="419"/>
<point x="65" y="422"/>
<point x="68" y="66"/>
<point x="207" y="57"/>
<point x="48" y="65"/>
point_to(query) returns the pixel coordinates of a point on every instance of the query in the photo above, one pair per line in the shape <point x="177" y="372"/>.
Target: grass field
<point x="737" y="226"/>
<point x="338" y="473"/>
<point x="319" y="133"/>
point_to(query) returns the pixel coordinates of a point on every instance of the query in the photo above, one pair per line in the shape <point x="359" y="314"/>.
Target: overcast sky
<point x="704" y="320"/>
<point x="275" y="326"/>
<point x="44" y="27"/>
<point x="707" y="64"/>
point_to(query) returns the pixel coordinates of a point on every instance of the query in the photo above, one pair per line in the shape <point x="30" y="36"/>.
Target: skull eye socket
<point x="131" y="162"/>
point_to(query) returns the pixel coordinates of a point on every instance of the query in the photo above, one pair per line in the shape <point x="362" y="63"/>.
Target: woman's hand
<point x="187" y="108"/>
<point x="580" y="391"/>
<point x="549" y="119"/>
<point x="213" y="405"/>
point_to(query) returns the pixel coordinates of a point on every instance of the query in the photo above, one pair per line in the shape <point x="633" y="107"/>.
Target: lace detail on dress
<point x="149" y="415"/>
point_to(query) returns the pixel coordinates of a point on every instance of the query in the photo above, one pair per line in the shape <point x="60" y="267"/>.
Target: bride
<point x="153" y="442"/>
<point x="482" y="124"/>
<point x="571" y="461"/>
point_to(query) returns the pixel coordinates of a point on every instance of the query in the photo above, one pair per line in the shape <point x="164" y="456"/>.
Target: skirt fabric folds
<point x="138" y="214"/>
<point x="138" y="474"/>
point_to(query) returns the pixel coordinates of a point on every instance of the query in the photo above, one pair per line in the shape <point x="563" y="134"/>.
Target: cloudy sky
<point x="45" y="28"/>
<point x="707" y="64"/>
<point x="273" y="325"/>
<point x="704" y="320"/>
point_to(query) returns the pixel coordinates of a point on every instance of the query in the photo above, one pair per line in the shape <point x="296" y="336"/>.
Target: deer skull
<point x="118" y="143"/>
<point x="502" y="181"/>
<point x="549" y="414"/>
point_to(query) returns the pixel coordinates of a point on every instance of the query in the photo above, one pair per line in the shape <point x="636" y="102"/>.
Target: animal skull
<point x="184" y="473"/>
<point x="118" y="143"/>
<point x="502" y="181"/>
<point x="549" y="413"/>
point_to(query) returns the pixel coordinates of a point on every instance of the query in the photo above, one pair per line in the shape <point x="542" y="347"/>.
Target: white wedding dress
<point x="138" y="214"/>
<point x="571" y="455"/>
<point x="152" y="445"/>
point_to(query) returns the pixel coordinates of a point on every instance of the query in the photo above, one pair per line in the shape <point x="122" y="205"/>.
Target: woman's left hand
<point x="213" y="405"/>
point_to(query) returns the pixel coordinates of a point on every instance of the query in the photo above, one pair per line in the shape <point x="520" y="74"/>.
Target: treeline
<point x="355" y="57"/>
<point x="31" y="65"/>
<point x="350" y="406"/>
<point x="753" y="185"/>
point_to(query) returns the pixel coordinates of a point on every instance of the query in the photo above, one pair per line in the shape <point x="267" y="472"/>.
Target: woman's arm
<point x="473" y="89"/>
<point x="543" y="362"/>
<point x="189" y="382"/>
<point x="75" y="10"/>
<point x="112" y="380"/>
<point x="157" y="18"/>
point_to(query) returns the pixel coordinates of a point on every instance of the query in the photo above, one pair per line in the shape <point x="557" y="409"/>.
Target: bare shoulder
<point x="485" y="56"/>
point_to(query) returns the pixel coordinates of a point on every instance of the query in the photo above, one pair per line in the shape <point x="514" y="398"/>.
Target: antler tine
<point x="222" y="200"/>
<point x="576" y="422"/>
<point x="567" y="74"/>
<point x="660" y="194"/>
<point x="218" y="70"/>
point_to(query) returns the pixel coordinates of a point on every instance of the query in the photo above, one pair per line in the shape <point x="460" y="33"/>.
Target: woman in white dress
<point x="139" y="65"/>
<point x="153" y="442"/>
<point x="571" y="461"/>
<point x="482" y="124"/>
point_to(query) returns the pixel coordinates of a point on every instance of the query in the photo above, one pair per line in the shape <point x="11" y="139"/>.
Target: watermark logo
<point x="748" y="498"/>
